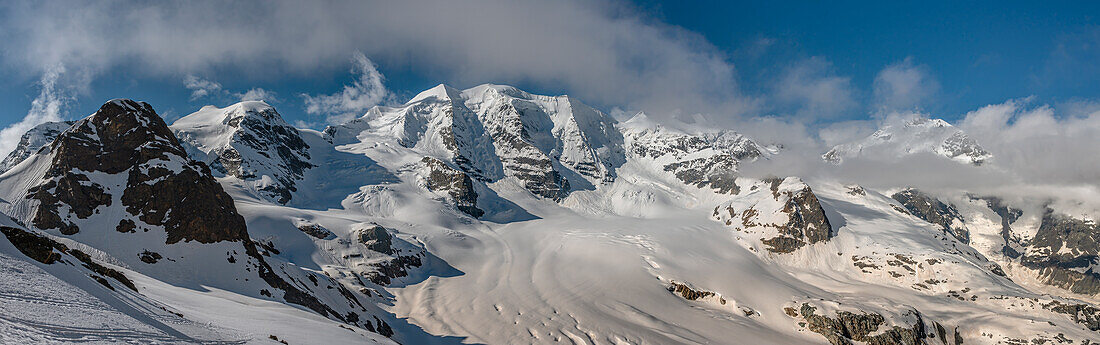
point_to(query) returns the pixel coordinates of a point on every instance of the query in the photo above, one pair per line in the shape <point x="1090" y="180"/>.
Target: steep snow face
<point x="561" y="128"/>
<point x="914" y="136"/>
<point x="249" y="141"/>
<point x="32" y="141"/>
<point x="705" y="160"/>
<point x="436" y="123"/>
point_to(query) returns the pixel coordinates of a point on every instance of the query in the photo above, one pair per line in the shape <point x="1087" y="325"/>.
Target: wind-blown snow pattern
<point x="913" y="136"/>
<point x="492" y="215"/>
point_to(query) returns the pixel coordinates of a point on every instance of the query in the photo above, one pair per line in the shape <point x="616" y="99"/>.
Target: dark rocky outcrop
<point x="457" y="184"/>
<point x="807" y="221"/>
<point x="376" y="238"/>
<point x="47" y="251"/>
<point x="934" y="211"/>
<point x="846" y="327"/>
<point x="716" y="172"/>
<point x="689" y="293"/>
<point x="163" y="186"/>
<point x="399" y="267"/>
<point x="316" y="230"/>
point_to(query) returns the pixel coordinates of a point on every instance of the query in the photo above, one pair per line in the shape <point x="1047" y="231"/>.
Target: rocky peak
<point x="36" y="138"/>
<point x="704" y="160"/>
<point x="123" y="133"/>
<point x="249" y="141"/>
<point x="784" y="213"/>
<point x="127" y="141"/>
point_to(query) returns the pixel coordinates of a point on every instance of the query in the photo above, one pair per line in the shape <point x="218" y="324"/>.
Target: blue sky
<point x="810" y="62"/>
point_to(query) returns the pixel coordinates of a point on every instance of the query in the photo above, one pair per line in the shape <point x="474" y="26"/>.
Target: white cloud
<point x="201" y="88"/>
<point x="354" y="100"/>
<point x="44" y="108"/>
<point x="257" y="94"/>
<point x="604" y="51"/>
<point x="810" y="91"/>
<point x="903" y="85"/>
<point x="1037" y="143"/>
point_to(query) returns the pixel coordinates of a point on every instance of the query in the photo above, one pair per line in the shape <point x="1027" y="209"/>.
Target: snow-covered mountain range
<point x="492" y="215"/>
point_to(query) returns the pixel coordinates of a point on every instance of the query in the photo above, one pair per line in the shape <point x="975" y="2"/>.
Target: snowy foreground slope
<point x="491" y="215"/>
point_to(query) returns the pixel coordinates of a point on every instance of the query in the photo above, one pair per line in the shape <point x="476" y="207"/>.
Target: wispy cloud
<point x="201" y="88"/>
<point x="46" y="107"/>
<point x="257" y="94"/>
<point x="366" y="91"/>
<point x="811" y="91"/>
<point x="904" y="86"/>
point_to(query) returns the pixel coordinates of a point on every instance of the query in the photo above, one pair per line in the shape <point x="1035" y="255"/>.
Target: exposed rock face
<point x="1064" y="251"/>
<point x="785" y="212"/>
<point x="559" y="129"/>
<point x="250" y="141"/>
<point x="1008" y="216"/>
<point x="376" y="238"/>
<point x="163" y="187"/>
<point x="707" y="160"/>
<point x="458" y="185"/>
<point x="48" y="251"/>
<point x="1084" y="314"/>
<point x="511" y="131"/>
<point x="36" y="138"/>
<point x="687" y="292"/>
<point x="934" y="211"/>
<point x="315" y="230"/>
<point x="871" y="328"/>
<point x="121" y="170"/>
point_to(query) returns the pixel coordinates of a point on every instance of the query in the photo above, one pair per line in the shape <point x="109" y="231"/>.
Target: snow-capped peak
<point x="916" y="135"/>
<point x="250" y="141"/>
<point x="35" y="138"/>
<point x="441" y="91"/>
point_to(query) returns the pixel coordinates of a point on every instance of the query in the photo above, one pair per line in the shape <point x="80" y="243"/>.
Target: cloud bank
<point x="606" y="51"/>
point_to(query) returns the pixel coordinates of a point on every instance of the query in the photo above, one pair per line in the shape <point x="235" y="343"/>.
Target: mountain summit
<point x="919" y="135"/>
